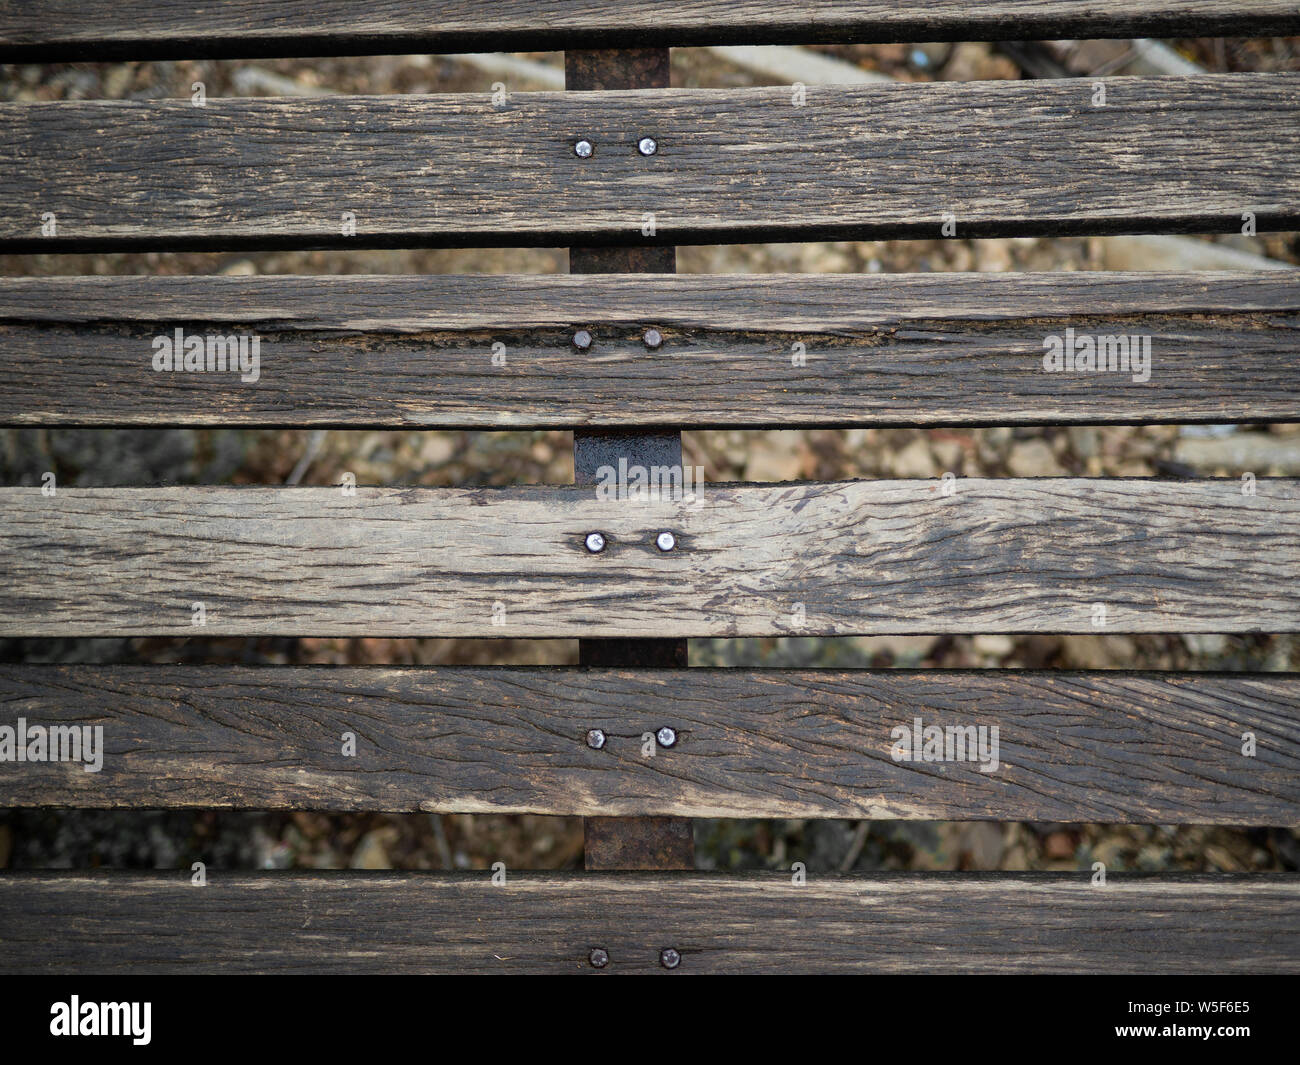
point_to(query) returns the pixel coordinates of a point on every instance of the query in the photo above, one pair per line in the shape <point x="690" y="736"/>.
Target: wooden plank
<point x="1111" y="747"/>
<point x="421" y="923"/>
<point x="402" y="352"/>
<point x="60" y="30"/>
<point x="845" y="558"/>
<point x="854" y="162"/>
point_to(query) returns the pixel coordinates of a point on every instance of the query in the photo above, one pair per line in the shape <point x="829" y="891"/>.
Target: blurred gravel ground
<point x="157" y="839"/>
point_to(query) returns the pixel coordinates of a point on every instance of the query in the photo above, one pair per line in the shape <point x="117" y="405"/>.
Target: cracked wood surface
<point x="843" y="558"/>
<point x="1112" y="747"/>
<point x="1188" y="154"/>
<point x="402" y="352"/>
<point x="60" y="30"/>
<point x="415" y="923"/>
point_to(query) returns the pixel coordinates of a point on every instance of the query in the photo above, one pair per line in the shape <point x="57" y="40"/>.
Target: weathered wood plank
<point x="60" y="30"/>
<point x="846" y="558"/>
<point x="872" y="161"/>
<point x="1113" y="747"/>
<point x="398" y="352"/>
<point x="419" y="923"/>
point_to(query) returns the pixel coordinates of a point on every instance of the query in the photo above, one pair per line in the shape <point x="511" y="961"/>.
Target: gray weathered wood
<point x="58" y="30"/>
<point x="923" y="349"/>
<point x="873" y="161"/>
<point x="854" y="557"/>
<point x="419" y="923"/>
<point x="1110" y="747"/>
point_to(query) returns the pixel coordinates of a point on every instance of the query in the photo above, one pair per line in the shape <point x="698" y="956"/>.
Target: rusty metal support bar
<point x="628" y="842"/>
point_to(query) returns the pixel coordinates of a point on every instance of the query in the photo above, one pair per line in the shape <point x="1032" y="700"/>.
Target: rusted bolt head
<point x="599" y="958"/>
<point x="582" y="340"/>
<point x="666" y="736"/>
<point x="669" y="958"/>
<point x="647" y="146"/>
<point x="653" y="339"/>
<point x="595" y="739"/>
<point x="595" y="543"/>
<point x="583" y="149"/>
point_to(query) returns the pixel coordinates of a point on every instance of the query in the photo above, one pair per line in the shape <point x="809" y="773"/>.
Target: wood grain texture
<point x="402" y="352"/>
<point x="860" y="557"/>
<point x="419" y="923"/>
<point x="60" y="30"/>
<point x="1111" y="747"/>
<point x="855" y="162"/>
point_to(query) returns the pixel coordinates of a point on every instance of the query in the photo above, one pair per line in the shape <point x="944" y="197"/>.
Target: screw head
<point x="583" y="149"/>
<point x="647" y="146"/>
<point x="666" y="736"/>
<point x="595" y="739"/>
<point x="599" y="958"/>
<point x="669" y="958"/>
<point x="653" y="339"/>
<point x="582" y="340"/>
<point x="595" y="543"/>
<point x="665" y="541"/>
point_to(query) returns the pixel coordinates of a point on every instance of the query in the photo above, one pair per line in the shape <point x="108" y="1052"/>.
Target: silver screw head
<point x="582" y="340"/>
<point x="647" y="146"/>
<point x="583" y="149"/>
<point x="653" y="339"/>
<point x="599" y="958"/>
<point x="595" y="543"/>
<point x="666" y="736"/>
<point x="669" y="958"/>
<point x="595" y="739"/>
<point x="665" y="541"/>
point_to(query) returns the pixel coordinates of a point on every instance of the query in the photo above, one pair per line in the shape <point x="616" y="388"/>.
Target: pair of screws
<point x="666" y="737"/>
<point x="668" y="958"/>
<point x="665" y="541"/>
<point x="646" y="146"/>
<point x="653" y="339"/>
